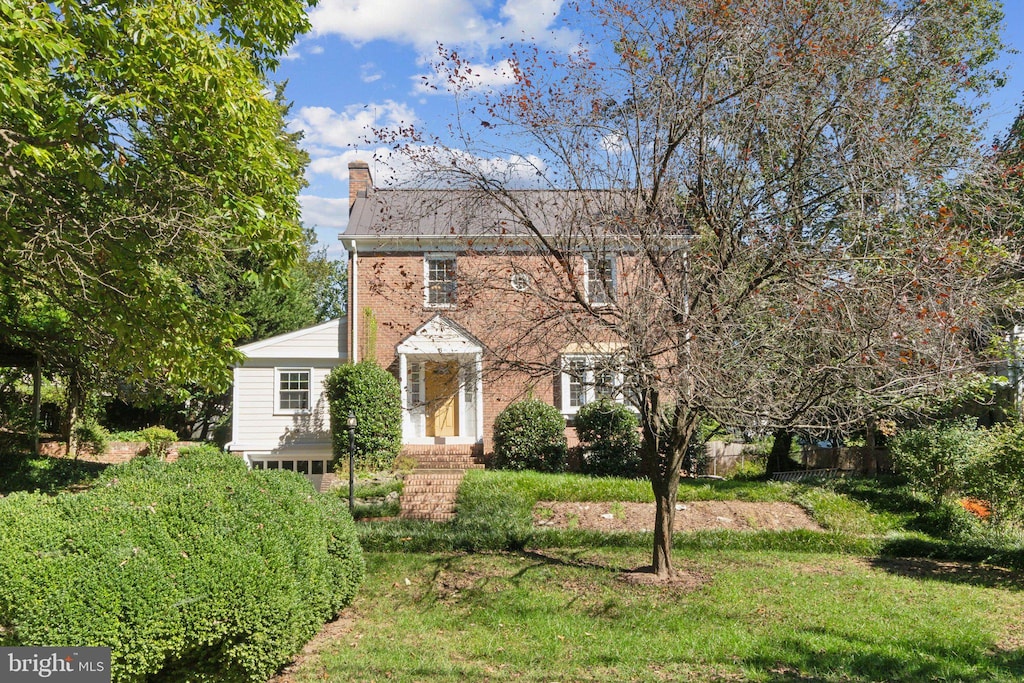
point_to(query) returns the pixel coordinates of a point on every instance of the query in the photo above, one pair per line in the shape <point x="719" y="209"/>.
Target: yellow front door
<point x="441" y="385"/>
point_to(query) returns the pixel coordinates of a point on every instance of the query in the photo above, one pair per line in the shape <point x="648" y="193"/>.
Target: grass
<point x="489" y="597"/>
<point x="564" y="615"/>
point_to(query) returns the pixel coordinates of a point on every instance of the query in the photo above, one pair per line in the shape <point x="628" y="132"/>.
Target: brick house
<point x="447" y="293"/>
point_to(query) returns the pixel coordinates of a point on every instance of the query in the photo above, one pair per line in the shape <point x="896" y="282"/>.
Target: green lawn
<point x="763" y="616"/>
<point x="489" y="598"/>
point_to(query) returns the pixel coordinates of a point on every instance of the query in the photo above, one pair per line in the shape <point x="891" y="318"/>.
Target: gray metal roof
<point x="469" y="213"/>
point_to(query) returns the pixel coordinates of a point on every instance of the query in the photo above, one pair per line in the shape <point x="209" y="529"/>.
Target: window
<point x="440" y="282"/>
<point x="293" y="390"/>
<point x="520" y="282"/>
<point x="599" y="279"/>
<point x="588" y="378"/>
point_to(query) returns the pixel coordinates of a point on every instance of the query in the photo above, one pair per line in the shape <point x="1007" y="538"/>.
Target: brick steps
<point x="430" y="489"/>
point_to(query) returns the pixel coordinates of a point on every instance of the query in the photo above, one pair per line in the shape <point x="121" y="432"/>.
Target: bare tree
<point x="750" y="215"/>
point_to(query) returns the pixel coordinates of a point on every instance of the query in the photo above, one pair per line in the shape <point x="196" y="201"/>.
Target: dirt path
<point x="693" y="516"/>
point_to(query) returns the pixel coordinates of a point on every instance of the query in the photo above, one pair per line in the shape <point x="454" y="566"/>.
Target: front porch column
<point x="478" y="377"/>
<point x="403" y="382"/>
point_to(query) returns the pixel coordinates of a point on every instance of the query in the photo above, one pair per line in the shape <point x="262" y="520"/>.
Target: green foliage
<point x="141" y="156"/>
<point x="530" y="435"/>
<point x="375" y="397"/>
<point x="608" y="432"/>
<point x="91" y="438"/>
<point x="751" y="468"/>
<point x="955" y="458"/>
<point x="20" y="471"/>
<point x="196" y="570"/>
<point x="996" y="475"/>
<point x="127" y="435"/>
<point x="158" y="441"/>
<point x="935" y="458"/>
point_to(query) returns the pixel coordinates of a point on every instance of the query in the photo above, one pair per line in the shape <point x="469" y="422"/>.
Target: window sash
<point x="441" y="282"/>
<point x="600" y="275"/>
<point x="293" y="389"/>
<point x="588" y="378"/>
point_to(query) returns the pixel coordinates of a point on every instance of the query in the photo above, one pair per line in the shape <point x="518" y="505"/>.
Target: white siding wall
<point x="255" y="424"/>
<point x="326" y="341"/>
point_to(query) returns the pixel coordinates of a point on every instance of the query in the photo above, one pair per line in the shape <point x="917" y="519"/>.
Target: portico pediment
<point x="439" y="336"/>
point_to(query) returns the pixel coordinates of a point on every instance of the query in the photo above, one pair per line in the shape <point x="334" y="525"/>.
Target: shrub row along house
<point x="449" y="293"/>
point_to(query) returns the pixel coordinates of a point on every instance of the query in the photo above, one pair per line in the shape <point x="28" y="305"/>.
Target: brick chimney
<point x="359" y="181"/>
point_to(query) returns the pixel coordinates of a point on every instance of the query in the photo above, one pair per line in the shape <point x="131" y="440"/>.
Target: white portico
<point x="440" y="367"/>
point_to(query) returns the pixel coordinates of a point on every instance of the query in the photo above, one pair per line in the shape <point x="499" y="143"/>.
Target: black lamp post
<point x="350" y="425"/>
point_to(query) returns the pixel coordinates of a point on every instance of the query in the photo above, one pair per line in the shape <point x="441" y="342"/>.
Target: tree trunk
<point x="779" y="459"/>
<point x="869" y="466"/>
<point x="37" y="393"/>
<point x="665" y="496"/>
<point x="72" y="408"/>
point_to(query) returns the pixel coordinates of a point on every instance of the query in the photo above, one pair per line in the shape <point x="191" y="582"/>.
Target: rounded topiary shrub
<point x="374" y="395"/>
<point x="197" y="570"/>
<point x="609" y="438"/>
<point x="530" y="435"/>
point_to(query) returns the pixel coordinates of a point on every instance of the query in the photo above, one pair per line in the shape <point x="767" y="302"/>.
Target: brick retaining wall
<point x="117" y="451"/>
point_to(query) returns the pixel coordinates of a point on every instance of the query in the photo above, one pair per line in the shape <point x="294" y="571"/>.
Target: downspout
<point x="353" y="295"/>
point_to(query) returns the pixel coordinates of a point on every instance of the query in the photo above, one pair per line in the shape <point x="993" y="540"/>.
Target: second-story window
<point x="600" y="279"/>
<point x="441" y="284"/>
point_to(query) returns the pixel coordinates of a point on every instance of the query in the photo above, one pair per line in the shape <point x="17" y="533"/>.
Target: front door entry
<point x="441" y="386"/>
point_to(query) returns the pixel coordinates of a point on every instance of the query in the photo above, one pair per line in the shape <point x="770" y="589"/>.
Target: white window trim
<point x="589" y="386"/>
<point x="438" y="256"/>
<point x="588" y="266"/>
<point x="278" y="410"/>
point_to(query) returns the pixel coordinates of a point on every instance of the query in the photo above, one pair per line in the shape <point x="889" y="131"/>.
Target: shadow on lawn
<point x="951" y="572"/>
<point x="824" y="653"/>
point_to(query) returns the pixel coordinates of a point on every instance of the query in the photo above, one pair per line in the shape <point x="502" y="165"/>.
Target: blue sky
<point x="367" y="62"/>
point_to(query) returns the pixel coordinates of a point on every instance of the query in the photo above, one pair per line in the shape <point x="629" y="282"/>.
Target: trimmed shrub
<point x="530" y="435"/>
<point x="610" y="440"/>
<point x="375" y="397"/>
<point x="91" y="438"/>
<point x="158" y="441"/>
<point x="197" y="570"/>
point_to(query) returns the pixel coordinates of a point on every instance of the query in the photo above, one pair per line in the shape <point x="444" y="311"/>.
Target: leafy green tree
<point x="138" y="152"/>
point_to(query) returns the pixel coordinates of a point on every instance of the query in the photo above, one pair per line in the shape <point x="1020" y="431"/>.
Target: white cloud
<point x="316" y="50"/>
<point x="323" y="212"/>
<point x="326" y="128"/>
<point x="369" y="73"/>
<point x="424" y="23"/>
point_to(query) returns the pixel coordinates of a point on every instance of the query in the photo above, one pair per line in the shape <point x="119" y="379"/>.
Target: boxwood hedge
<point x="197" y="570"/>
